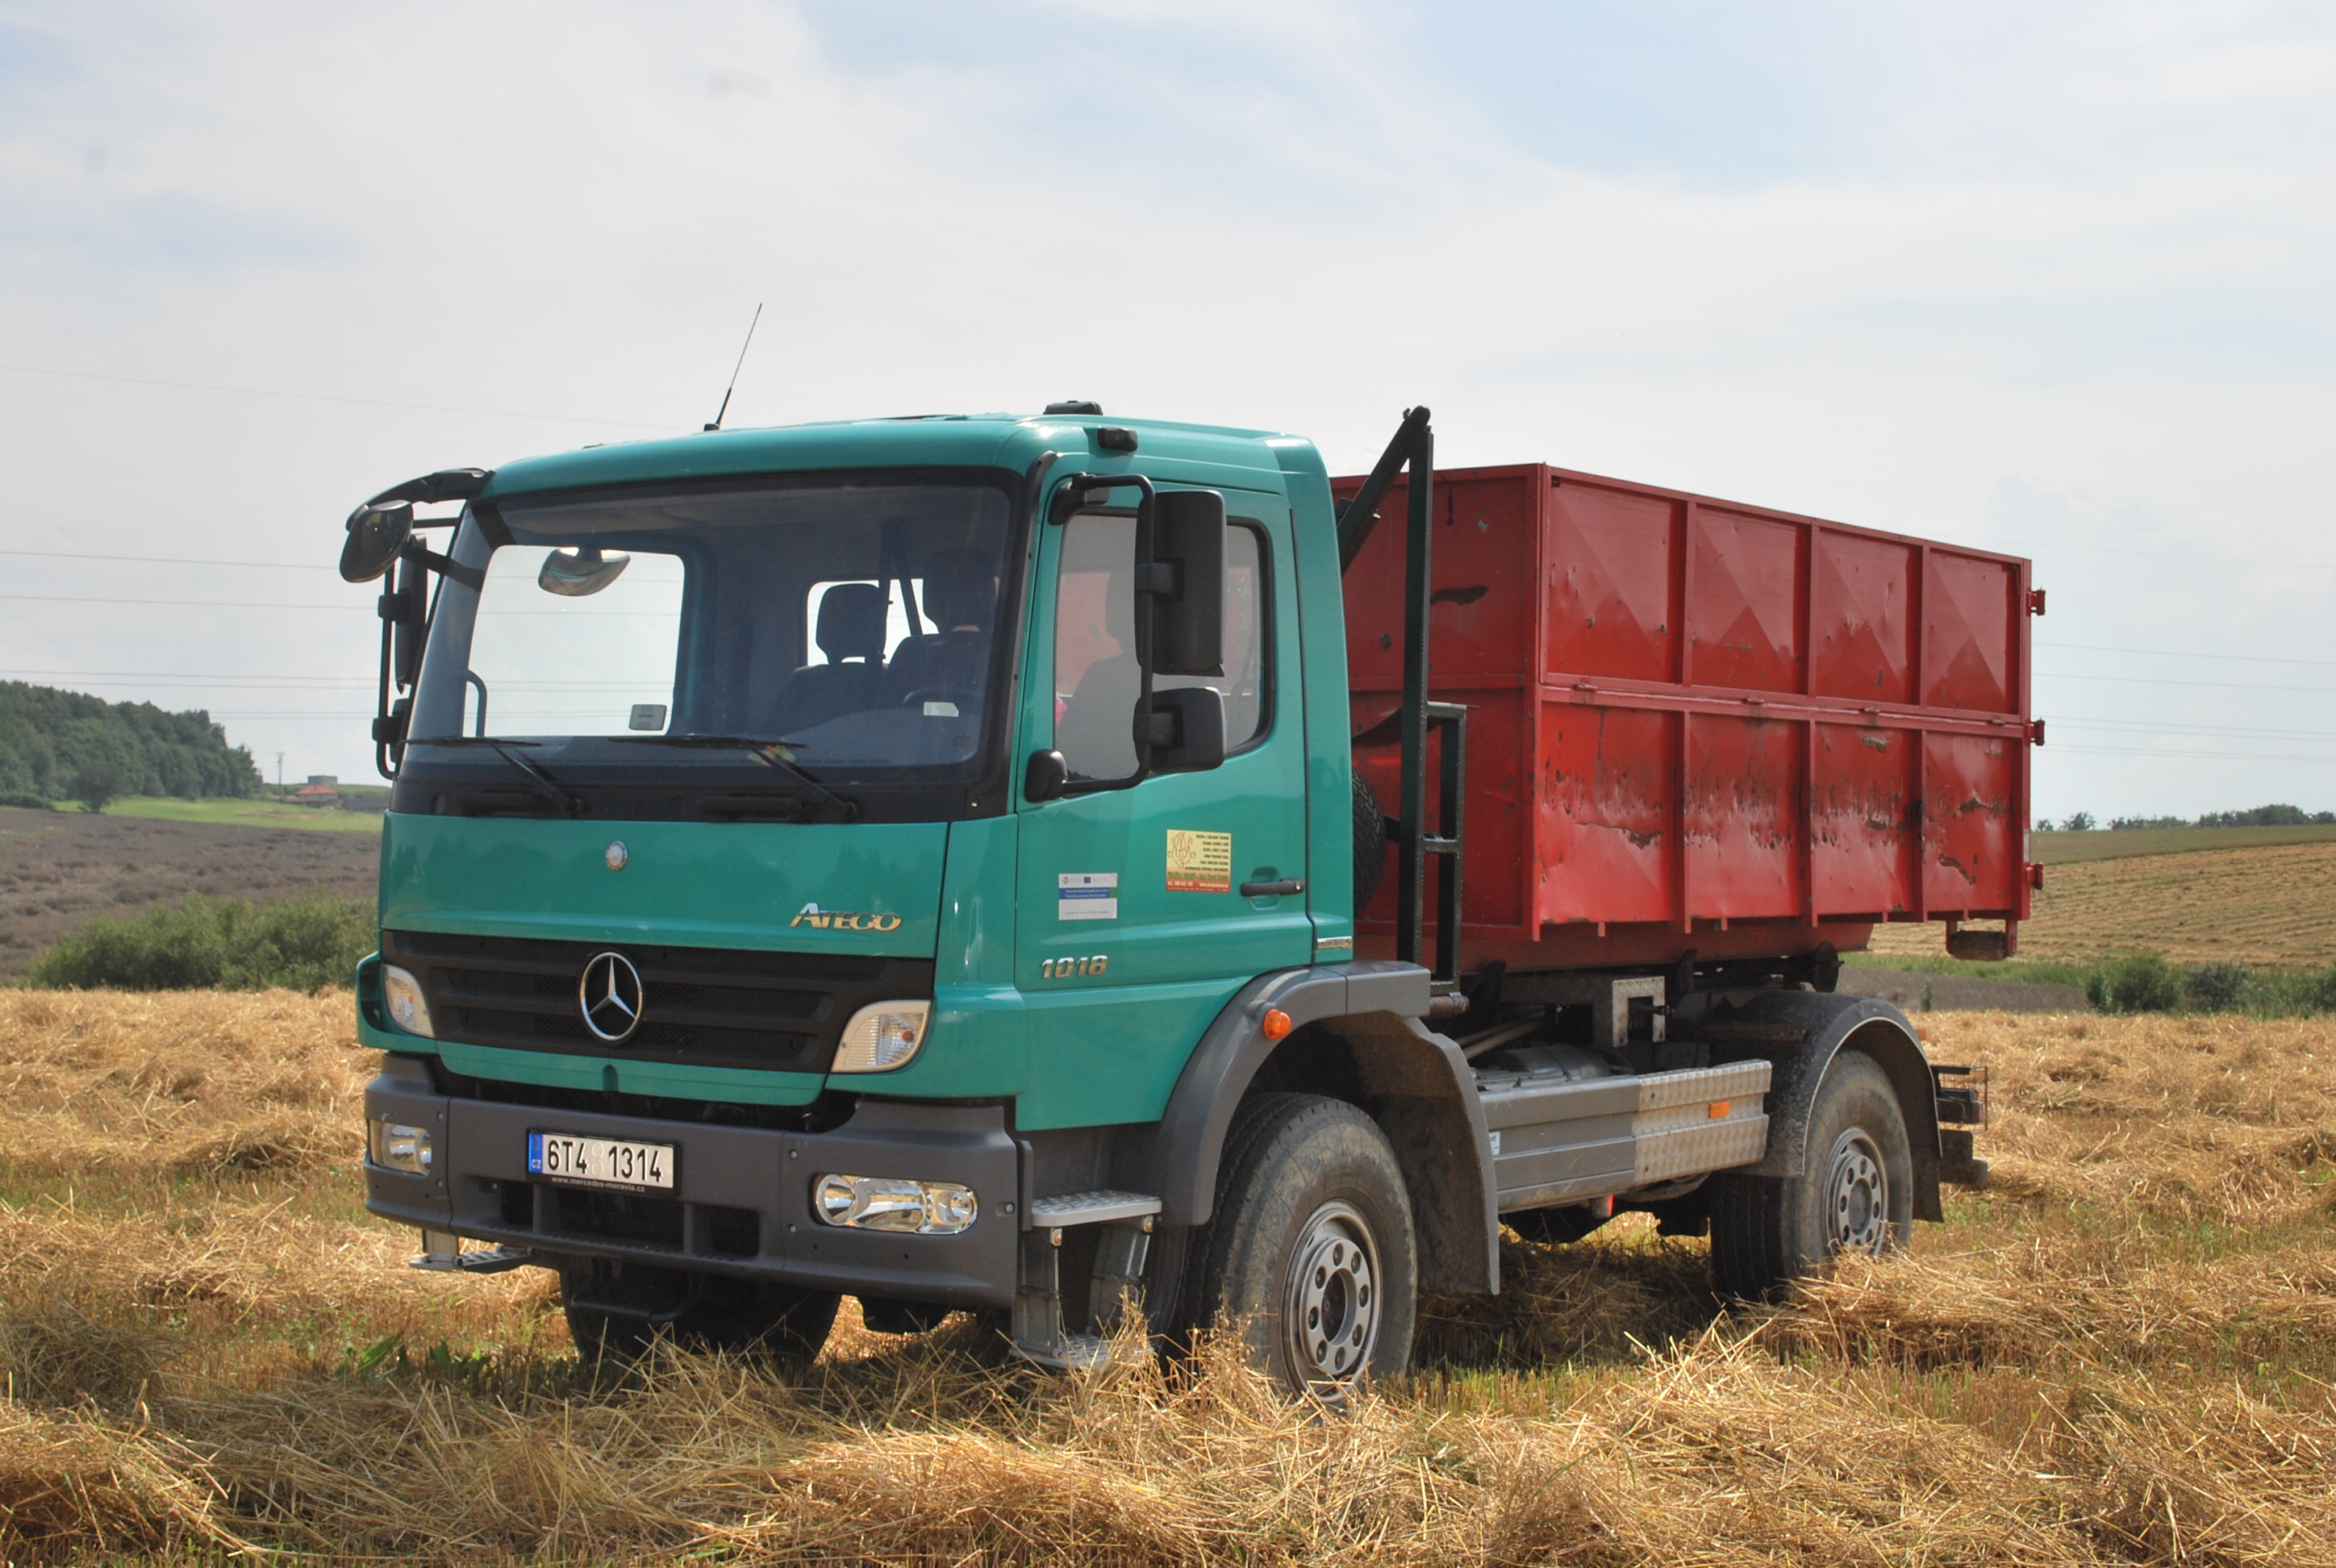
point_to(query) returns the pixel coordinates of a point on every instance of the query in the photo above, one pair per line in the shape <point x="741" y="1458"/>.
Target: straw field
<point x="2274" y="905"/>
<point x="2123" y="1353"/>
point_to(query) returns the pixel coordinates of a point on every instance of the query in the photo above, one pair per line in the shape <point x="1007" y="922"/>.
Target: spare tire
<point x="1371" y="843"/>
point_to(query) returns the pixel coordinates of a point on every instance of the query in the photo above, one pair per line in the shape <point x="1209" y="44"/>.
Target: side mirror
<point x="1044" y="777"/>
<point x="377" y="531"/>
<point x="1186" y="728"/>
<point x="1186" y="580"/>
<point x="578" y="573"/>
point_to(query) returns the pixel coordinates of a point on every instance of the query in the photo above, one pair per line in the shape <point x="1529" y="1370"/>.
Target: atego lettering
<point x="821" y="919"/>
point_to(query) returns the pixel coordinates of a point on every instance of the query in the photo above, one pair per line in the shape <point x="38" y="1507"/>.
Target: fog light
<point x="395" y="1147"/>
<point x="881" y="1037"/>
<point x="894" y="1203"/>
<point x="409" y="1009"/>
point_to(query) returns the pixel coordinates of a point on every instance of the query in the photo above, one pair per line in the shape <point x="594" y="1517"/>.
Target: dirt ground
<point x="57" y="869"/>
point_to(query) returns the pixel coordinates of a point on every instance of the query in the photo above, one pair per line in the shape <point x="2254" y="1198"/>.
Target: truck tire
<point x="1370" y="842"/>
<point x="717" y="1313"/>
<point x="1312" y="1254"/>
<point x="1855" y="1192"/>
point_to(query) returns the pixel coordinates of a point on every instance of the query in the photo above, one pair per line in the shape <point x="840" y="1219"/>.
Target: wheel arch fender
<point x="1413" y="1083"/>
<point x="1836" y="1024"/>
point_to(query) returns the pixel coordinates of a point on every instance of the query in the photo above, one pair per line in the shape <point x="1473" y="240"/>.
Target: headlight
<point x="395" y="1147"/>
<point x="880" y="1036"/>
<point x="893" y="1204"/>
<point x="409" y="1009"/>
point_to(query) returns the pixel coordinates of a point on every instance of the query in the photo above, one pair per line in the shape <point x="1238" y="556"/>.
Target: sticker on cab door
<point x="1086" y="896"/>
<point x="1200" y="862"/>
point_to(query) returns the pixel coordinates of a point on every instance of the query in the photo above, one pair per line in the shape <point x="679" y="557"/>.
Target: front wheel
<point x="1855" y="1192"/>
<point x="1312" y="1254"/>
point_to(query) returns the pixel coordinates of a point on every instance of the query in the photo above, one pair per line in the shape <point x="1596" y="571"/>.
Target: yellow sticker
<point x="1200" y="862"/>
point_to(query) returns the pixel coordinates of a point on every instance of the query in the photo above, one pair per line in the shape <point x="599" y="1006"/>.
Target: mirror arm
<point x="445" y="566"/>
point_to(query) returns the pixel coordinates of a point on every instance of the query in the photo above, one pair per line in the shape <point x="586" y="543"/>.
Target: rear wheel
<point x="1312" y="1252"/>
<point x="616" y="1312"/>
<point x="1855" y="1192"/>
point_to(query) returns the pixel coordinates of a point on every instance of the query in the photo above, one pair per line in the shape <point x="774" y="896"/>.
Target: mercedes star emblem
<point x="617" y="855"/>
<point x="611" y="996"/>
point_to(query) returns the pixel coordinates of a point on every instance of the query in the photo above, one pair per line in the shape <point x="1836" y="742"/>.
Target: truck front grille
<point x="700" y="1006"/>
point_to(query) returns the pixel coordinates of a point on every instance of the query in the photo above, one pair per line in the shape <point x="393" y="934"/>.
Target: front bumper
<point x="741" y="1203"/>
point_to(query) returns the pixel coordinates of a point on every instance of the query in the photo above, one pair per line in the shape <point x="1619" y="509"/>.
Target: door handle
<point x="1281" y="888"/>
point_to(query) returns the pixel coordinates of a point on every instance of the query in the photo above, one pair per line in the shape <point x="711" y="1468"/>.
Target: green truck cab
<point x="916" y="859"/>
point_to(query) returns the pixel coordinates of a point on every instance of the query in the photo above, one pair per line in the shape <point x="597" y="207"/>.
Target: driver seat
<point x="960" y="598"/>
<point x="850" y="632"/>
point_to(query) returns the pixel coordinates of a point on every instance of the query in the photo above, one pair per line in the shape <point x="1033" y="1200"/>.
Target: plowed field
<point x="2258" y="906"/>
<point x="57" y="869"/>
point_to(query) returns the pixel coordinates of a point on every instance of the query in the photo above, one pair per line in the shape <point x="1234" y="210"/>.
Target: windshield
<point x="851" y="620"/>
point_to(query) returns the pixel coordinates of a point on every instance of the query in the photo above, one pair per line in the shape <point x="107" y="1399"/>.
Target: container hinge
<point x="2036" y="601"/>
<point x="2036" y="732"/>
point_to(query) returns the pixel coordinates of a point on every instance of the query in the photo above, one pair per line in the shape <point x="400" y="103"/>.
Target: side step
<point x="1115" y="1284"/>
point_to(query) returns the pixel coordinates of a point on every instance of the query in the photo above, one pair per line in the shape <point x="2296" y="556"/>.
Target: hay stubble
<point x="2121" y="1354"/>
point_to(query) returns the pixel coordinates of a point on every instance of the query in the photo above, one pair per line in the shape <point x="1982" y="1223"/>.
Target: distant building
<point x="329" y="780"/>
<point x="321" y="795"/>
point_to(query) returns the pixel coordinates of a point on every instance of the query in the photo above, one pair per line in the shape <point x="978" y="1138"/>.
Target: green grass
<point x="2023" y="971"/>
<point x="2061" y="849"/>
<point x="251" y="813"/>
<point x="2145" y="982"/>
<point x="201" y="944"/>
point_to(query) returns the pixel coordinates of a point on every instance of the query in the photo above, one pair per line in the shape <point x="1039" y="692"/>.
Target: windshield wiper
<point x="564" y="800"/>
<point x="771" y="752"/>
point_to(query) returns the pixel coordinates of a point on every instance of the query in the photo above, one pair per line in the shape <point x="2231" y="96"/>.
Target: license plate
<point x="599" y="1162"/>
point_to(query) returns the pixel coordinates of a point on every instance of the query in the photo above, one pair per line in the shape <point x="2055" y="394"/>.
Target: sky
<point x="2053" y="280"/>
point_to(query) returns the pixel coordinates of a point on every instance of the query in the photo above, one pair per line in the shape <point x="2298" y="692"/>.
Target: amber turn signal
<point x="1277" y="1023"/>
<point x="1718" y="1111"/>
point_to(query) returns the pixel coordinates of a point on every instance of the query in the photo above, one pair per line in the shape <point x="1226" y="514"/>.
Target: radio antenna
<point x="736" y="368"/>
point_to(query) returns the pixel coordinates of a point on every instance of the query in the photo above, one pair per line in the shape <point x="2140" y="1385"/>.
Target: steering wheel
<point x="963" y="697"/>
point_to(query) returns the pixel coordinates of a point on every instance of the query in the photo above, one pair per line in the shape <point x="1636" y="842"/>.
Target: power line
<point x="365" y="605"/>
<point x="2169" y="680"/>
<point x="172" y="560"/>
<point x="2192" y="756"/>
<point x="2127" y="550"/>
<point x="330" y="397"/>
<point x="2179" y="653"/>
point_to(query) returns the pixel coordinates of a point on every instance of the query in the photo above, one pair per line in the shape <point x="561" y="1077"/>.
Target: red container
<point x="1698" y="725"/>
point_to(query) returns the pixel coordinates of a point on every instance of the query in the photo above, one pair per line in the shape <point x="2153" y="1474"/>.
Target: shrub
<point x="96" y="784"/>
<point x="2143" y="983"/>
<point x="222" y="944"/>
<point x="2217" y="987"/>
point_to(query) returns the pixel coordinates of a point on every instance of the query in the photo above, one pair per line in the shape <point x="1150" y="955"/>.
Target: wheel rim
<point x="1859" y="1193"/>
<point x="1332" y="1311"/>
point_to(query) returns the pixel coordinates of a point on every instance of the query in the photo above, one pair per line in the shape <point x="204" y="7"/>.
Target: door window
<point x="1096" y="679"/>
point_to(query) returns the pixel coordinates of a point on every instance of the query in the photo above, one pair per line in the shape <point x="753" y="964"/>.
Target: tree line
<point x="2270" y="816"/>
<point x="68" y="745"/>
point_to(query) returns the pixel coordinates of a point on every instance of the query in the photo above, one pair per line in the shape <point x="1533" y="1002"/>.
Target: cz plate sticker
<point x="1086" y="896"/>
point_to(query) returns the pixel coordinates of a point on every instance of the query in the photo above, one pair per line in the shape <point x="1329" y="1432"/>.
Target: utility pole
<point x="279" y="770"/>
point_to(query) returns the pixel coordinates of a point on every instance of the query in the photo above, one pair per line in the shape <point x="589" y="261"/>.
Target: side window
<point x="1096" y="678"/>
<point x="1243" y="685"/>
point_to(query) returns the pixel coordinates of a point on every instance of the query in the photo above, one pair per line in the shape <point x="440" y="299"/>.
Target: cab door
<point x="1131" y="928"/>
